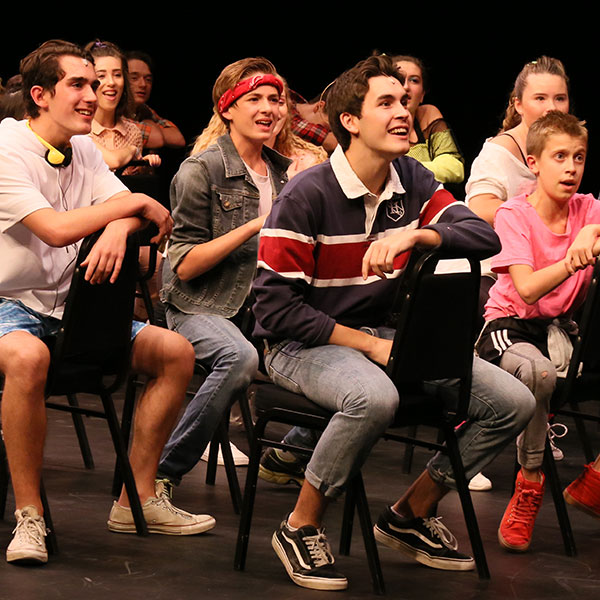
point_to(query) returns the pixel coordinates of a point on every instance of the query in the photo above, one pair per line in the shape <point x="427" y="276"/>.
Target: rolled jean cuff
<point x="329" y="491"/>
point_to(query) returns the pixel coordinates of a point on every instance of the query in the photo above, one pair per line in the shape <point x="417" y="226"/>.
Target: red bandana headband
<point x="244" y="86"/>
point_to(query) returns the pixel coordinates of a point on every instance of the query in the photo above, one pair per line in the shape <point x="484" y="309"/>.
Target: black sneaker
<point x="426" y="540"/>
<point x="277" y="470"/>
<point x="307" y="558"/>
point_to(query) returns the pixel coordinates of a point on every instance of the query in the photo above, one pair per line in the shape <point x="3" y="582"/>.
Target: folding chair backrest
<point x="586" y="347"/>
<point x="436" y="317"/>
<point x="96" y="326"/>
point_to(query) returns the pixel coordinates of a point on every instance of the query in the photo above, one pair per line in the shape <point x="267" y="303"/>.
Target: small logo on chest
<point x="395" y="209"/>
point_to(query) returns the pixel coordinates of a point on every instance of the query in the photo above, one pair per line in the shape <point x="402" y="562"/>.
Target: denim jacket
<point x="211" y="194"/>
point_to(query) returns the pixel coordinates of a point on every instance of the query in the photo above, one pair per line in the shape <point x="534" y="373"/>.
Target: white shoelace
<point x="437" y="528"/>
<point x="319" y="549"/>
<point x="28" y="529"/>
<point x="554" y="434"/>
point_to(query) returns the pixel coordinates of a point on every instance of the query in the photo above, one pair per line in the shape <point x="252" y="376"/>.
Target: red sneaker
<point x="584" y="492"/>
<point x="516" y="526"/>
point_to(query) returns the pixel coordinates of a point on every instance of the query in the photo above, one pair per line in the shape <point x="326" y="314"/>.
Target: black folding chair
<point x="582" y="381"/>
<point x="91" y="354"/>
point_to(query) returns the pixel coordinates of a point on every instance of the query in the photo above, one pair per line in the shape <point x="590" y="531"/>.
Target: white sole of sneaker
<point x="26" y="558"/>
<point x="313" y="583"/>
<point x="202" y="527"/>
<point x="425" y="559"/>
<point x="279" y="478"/>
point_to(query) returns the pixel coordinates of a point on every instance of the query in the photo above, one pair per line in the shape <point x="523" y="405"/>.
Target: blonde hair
<point x="543" y="65"/>
<point x="287" y="142"/>
<point x="229" y="77"/>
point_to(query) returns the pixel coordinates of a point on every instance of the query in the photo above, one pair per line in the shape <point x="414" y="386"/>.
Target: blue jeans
<point x="231" y="362"/>
<point x="364" y="400"/>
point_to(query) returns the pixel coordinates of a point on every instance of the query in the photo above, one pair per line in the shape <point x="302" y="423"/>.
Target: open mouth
<point x="85" y="112"/>
<point x="401" y="130"/>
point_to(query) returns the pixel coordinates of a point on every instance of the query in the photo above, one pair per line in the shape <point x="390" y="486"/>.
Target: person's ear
<point x="350" y="122"/>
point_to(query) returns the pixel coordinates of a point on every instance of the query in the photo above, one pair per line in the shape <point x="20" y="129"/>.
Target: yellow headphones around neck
<point x="54" y="157"/>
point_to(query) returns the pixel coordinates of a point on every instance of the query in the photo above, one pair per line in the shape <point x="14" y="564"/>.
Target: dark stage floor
<point x="94" y="563"/>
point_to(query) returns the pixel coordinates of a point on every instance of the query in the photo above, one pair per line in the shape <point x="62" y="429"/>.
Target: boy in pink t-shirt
<point x="549" y="241"/>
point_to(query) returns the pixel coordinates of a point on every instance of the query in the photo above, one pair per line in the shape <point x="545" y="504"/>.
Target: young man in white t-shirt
<point x="54" y="191"/>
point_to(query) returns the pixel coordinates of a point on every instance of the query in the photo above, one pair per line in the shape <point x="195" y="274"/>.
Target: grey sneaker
<point x="28" y="546"/>
<point x="276" y="469"/>
<point x="161" y="517"/>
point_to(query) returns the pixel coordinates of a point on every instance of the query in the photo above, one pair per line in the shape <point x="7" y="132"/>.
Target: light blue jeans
<point x="231" y="362"/>
<point x="365" y="400"/>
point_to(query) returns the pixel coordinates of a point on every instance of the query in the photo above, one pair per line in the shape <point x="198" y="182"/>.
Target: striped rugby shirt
<point x="313" y="242"/>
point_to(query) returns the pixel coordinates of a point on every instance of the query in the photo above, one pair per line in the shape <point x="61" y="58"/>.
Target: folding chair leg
<point x="125" y="466"/>
<point x="213" y="458"/>
<point x="84" y="444"/>
<point x="241" y="549"/>
<point x="584" y="438"/>
<point x="409" y="451"/>
<point x="232" y="478"/>
<point x="366" y="526"/>
<point x="559" y="502"/>
<point x="51" y="542"/>
<point x="467" y="504"/>
<point x="126" y="422"/>
<point x="348" y="520"/>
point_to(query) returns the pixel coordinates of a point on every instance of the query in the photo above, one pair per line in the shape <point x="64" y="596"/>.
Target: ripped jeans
<point x="527" y="363"/>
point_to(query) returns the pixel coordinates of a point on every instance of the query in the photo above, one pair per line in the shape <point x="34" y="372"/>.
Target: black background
<point x="472" y="65"/>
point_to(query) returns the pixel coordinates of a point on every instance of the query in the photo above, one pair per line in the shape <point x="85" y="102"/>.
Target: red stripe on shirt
<point x="285" y="255"/>
<point x="438" y="201"/>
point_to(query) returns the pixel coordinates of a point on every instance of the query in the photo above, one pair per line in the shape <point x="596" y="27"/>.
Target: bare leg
<point x="168" y="360"/>
<point x="420" y="498"/>
<point x="310" y="507"/>
<point x="24" y="360"/>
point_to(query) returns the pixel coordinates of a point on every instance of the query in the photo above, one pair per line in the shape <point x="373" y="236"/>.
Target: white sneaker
<point x="161" y="517"/>
<point x="480" y="483"/>
<point x="552" y="433"/>
<point x="28" y="545"/>
<point x="239" y="458"/>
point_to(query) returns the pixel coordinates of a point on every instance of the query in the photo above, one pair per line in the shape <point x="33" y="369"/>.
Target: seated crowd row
<point x="311" y="208"/>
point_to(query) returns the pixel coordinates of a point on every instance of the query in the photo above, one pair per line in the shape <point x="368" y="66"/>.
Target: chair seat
<point x="269" y="395"/>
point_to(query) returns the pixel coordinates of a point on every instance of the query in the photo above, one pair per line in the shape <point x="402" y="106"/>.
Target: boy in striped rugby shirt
<point x="329" y="258"/>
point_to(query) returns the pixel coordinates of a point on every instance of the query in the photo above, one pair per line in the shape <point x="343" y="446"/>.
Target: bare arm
<point x="374" y="348"/>
<point x="173" y="137"/>
<point x="485" y="206"/>
<point x="533" y="285"/>
<point x="60" y="229"/>
<point x="117" y="158"/>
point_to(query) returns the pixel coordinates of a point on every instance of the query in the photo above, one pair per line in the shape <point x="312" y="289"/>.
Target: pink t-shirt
<point x="527" y="241"/>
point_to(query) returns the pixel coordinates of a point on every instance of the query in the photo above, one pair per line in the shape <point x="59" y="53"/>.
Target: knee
<point x="241" y="361"/>
<point x="538" y="374"/>
<point x="377" y="404"/>
<point x="27" y="360"/>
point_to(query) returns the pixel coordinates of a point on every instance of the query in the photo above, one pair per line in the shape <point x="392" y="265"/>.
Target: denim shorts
<point x="15" y="316"/>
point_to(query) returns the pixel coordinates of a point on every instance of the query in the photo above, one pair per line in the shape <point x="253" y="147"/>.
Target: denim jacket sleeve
<point x="191" y="209"/>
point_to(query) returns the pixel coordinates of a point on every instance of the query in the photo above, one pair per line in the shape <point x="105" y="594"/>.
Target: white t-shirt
<point x="31" y="271"/>
<point x="498" y="171"/>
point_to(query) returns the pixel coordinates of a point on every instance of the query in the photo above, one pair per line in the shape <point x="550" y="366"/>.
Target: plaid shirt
<point x="148" y="113"/>
<point x="311" y="132"/>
